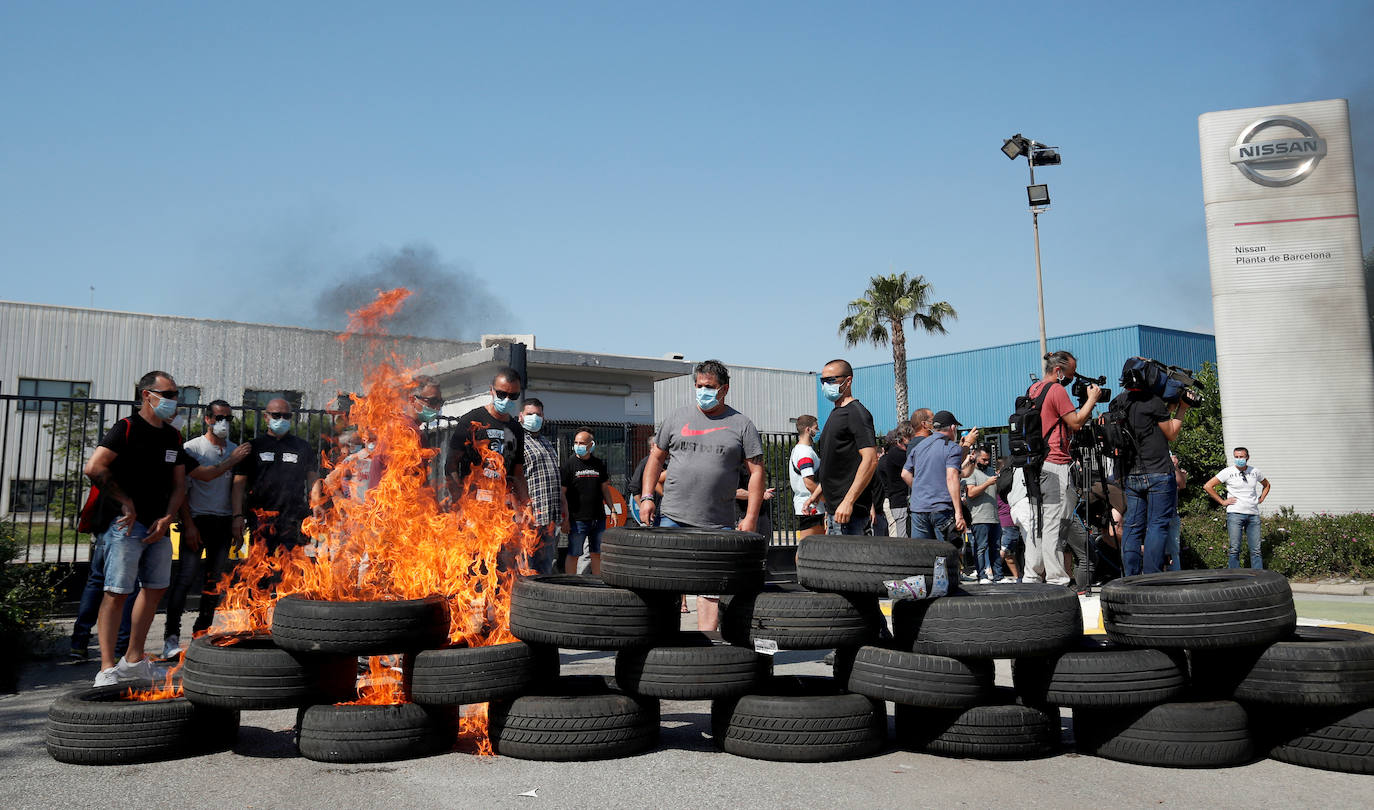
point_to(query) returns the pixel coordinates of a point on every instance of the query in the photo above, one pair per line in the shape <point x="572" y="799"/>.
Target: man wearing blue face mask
<point x="495" y="427"/>
<point x="542" y="478"/>
<point x="849" y="454"/>
<point x="1246" y="489"/>
<point x="586" y="485"/>
<point x="272" y="483"/>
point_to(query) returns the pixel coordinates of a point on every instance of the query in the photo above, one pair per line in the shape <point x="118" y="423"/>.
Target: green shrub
<point x="1299" y="547"/>
<point x="28" y="596"/>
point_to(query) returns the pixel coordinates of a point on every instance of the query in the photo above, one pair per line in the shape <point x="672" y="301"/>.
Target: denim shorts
<point x="588" y="531"/>
<point x="129" y="560"/>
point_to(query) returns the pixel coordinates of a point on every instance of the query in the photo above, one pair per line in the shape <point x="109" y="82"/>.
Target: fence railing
<point x="46" y="441"/>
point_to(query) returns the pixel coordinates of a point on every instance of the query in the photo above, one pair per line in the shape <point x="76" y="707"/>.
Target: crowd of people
<point x="704" y="469"/>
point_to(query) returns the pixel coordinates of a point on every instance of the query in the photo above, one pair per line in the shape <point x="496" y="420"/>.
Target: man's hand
<point x="1228" y="501"/>
<point x="159" y="529"/>
<point x="844" y="511"/>
<point x="1094" y="392"/>
<point x="970" y="438"/>
<point x="127" y="514"/>
<point x="748" y="524"/>
<point x="240" y="453"/>
<point x="959" y="522"/>
<point x="190" y="535"/>
<point x="646" y="511"/>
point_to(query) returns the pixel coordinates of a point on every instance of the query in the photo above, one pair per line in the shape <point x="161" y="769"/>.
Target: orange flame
<point x="371" y="319"/>
<point x="381" y="531"/>
<point x="472" y="726"/>
<point x="166" y="690"/>
<point x="381" y="686"/>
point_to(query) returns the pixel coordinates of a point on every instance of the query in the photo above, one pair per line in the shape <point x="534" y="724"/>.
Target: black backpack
<point x="1118" y="442"/>
<point x="1027" y="446"/>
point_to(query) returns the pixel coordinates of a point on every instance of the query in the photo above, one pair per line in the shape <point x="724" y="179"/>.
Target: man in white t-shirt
<point x="801" y="472"/>
<point x="1246" y="489"/>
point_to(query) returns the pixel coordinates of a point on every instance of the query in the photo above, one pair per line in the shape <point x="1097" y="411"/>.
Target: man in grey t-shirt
<point x="979" y="486"/>
<point x="705" y="443"/>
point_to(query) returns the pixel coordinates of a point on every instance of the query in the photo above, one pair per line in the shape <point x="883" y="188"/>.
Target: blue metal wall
<point x="979" y="386"/>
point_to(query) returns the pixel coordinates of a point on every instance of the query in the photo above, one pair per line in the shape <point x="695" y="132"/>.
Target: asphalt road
<point x="684" y="771"/>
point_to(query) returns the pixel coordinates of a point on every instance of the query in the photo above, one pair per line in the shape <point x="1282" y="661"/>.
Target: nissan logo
<point x="1280" y="162"/>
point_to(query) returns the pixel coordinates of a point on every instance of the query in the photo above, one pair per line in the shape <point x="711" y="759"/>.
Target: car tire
<point x="98" y="726"/>
<point x="574" y="718"/>
<point x="799" y="719"/>
<point x="1000" y="728"/>
<point x="459" y="675"/>
<point x="1100" y="673"/>
<point x="683" y="560"/>
<point x="360" y="628"/>
<point x="990" y="621"/>
<point x="799" y="620"/>
<point x="689" y="667"/>
<point x="862" y="564"/>
<point x="1202" y="734"/>
<point x="915" y="679"/>
<point x="1315" y="666"/>
<point x="384" y="733"/>
<point x="249" y="671"/>
<point x="1199" y="609"/>
<point x="584" y="613"/>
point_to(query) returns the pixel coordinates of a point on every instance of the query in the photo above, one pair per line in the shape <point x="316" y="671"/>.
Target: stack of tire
<point x="1208" y="669"/>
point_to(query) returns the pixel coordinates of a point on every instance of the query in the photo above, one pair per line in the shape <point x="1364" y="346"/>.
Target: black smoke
<point x="449" y="302"/>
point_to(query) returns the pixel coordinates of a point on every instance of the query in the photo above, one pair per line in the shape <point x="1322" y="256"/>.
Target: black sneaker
<point x="81" y="653"/>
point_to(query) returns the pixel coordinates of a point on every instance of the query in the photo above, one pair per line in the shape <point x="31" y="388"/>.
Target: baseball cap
<point x="945" y="419"/>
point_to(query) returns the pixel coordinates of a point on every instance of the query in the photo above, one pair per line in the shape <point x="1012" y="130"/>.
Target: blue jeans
<point x="987" y="546"/>
<point x="1151" y="503"/>
<point x="857" y="525"/>
<point x="91" y="598"/>
<point x="927" y="524"/>
<point x="588" y="531"/>
<point x="1249" y="525"/>
<point x="1171" y="547"/>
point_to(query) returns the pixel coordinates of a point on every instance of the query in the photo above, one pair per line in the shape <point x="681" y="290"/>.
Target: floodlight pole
<point x="1039" y="281"/>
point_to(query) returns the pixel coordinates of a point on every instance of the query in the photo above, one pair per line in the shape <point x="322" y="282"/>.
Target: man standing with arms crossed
<point x="704" y="445"/>
<point x="140" y="469"/>
<point x="849" y="454"/>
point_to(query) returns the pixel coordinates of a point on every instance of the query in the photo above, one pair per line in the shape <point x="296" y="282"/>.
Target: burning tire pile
<point x="1198" y="668"/>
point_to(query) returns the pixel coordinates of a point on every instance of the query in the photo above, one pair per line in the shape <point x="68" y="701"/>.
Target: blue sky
<point x="716" y="179"/>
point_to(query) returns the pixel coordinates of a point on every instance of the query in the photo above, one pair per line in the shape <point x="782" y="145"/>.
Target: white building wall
<point x="771" y="397"/>
<point x="1290" y="306"/>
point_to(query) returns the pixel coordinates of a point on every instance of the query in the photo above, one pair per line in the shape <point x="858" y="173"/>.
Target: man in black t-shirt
<point x="273" y="482"/>
<point x="492" y="426"/>
<point x="849" y="454"/>
<point x="586" y="488"/>
<point x="140" y="470"/>
<point x="1151" y="492"/>
<point x="895" y="490"/>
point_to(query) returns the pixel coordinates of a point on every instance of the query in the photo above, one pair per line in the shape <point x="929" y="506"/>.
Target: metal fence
<point x="46" y="441"/>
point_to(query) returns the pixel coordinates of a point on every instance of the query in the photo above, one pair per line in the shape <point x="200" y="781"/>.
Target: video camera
<point x="1170" y="383"/>
<point x="1080" y="388"/>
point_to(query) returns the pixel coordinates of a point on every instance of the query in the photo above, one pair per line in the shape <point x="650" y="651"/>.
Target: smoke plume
<point x="449" y="302"/>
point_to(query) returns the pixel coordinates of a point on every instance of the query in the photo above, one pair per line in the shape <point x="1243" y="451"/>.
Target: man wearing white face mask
<point x="541" y="476"/>
<point x="493" y="425"/>
<point x="209" y="509"/>
<point x="272" y="482"/>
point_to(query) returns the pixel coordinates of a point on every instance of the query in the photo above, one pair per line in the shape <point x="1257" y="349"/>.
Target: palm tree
<point x="878" y="318"/>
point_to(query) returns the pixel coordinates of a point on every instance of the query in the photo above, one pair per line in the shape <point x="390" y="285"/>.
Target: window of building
<point x="256" y="398"/>
<point x="33" y="496"/>
<point x="190" y="394"/>
<point x="49" y="388"/>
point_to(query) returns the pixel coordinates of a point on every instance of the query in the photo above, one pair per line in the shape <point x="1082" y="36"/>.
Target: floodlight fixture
<point x="1015" y="146"/>
<point x="1038" y="195"/>
<point x="1045" y="156"/>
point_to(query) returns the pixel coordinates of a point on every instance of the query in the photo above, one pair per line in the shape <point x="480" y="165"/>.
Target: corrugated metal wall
<point x="112" y="350"/>
<point x="980" y="385"/>
<point x="771" y="397"/>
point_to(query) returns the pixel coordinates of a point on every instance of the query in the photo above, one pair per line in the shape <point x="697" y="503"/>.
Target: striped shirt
<point x="541" y="473"/>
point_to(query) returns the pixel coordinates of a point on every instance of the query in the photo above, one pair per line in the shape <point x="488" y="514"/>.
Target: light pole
<point x="1037" y="154"/>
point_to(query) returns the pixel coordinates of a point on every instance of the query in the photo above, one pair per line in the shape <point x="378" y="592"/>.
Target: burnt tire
<point x="584" y="613"/>
<point x="990" y="621"/>
<point x="1203" y="734"/>
<point x="689" y="667"/>
<point x="360" y="628"/>
<point x="252" y="672"/>
<point x="1000" y="728"/>
<point x="1199" y="609"/>
<point x="458" y="675"/>
<point x="800" y="620"/>
<point x="683" y="560"/>
<point x="581" y="717"/>
<point x="799" y="719"/>
<point x="1329" y="739"/>
<point x="1101" y="673"/>
<point x="99" y="727"/>
<point x="863" y="564"/>
<point x="915" y="679"/>
<point x="387" y="733"/>
<point x="1315" y="666"/>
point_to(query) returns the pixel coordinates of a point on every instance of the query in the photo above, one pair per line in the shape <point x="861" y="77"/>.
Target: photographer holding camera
<point x="1151" y="488"/>
<point x="1058" y="496"/>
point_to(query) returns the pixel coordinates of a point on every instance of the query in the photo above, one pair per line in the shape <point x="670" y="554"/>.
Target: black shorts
<point x="805" y="522"/>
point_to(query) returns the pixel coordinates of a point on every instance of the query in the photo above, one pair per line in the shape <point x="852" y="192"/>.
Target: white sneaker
<point x="984" y="581"/>
<point x="171" y="647"/>
<point x="144" y="670"/>
<point x="106" y="677"/>
<point x="1007" y="581"/>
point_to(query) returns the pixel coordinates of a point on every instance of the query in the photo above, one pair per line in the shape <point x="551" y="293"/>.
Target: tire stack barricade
<point x="1206" y="669"/>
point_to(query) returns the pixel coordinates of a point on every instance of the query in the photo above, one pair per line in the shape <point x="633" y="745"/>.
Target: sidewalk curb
<point x="1334" y="588"/>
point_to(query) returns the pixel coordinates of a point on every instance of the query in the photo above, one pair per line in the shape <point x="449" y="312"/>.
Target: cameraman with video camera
<point x="1151" y="489"/>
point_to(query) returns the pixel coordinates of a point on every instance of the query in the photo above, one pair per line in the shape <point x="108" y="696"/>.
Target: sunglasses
<point x="433" y="402"/>
<point x="279" y="414"/>
<point x="172" y="394"/>
<point x="829" y="380"/>
<point x="505" y="394"/>
<point x="214" y="417"/>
